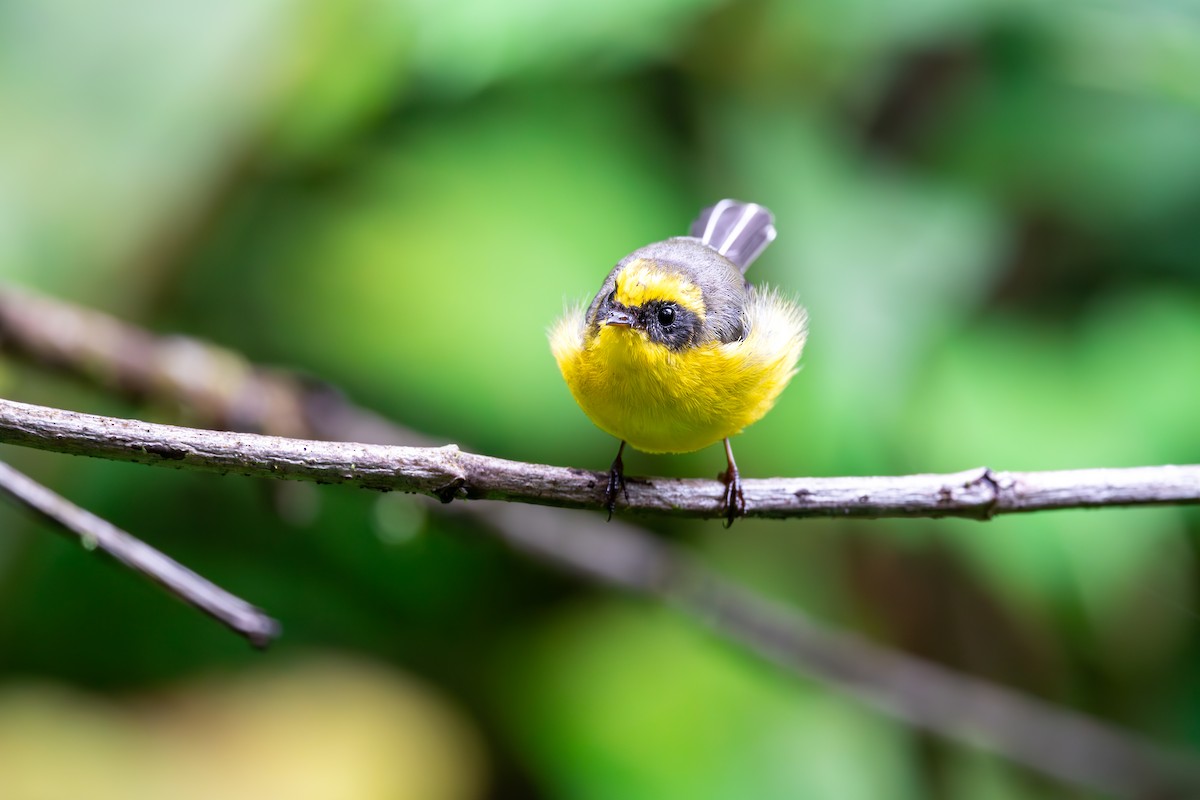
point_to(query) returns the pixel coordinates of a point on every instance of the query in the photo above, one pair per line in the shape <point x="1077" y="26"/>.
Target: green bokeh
<point x="988" y="208"/>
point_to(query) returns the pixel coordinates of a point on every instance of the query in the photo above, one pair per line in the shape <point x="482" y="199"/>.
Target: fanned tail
<point x="739" y="231"/>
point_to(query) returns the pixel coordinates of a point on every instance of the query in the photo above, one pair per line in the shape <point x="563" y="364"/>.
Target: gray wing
<point x="739" y="231"/>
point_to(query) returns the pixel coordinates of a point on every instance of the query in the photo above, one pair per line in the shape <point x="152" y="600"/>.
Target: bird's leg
<point x="616" y="482"/>
<point x="734" y="502"/>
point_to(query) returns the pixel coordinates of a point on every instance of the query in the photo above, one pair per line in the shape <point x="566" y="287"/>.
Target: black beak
<point x="618" y="318"/>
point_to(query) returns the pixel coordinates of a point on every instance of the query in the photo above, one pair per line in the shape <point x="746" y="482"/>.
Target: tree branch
<point x="449" y="473"/>
<point x="1060" y="742"/>
<point x="216" y="386"/>
<point x="177" y="579"/>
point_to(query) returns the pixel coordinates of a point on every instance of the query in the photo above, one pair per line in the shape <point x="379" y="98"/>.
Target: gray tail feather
<point x="739" y="231"/>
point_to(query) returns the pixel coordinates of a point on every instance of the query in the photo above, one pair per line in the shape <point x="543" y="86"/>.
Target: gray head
<point x="681" y="292"/>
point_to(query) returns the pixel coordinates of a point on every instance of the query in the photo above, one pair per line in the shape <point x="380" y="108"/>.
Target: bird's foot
<point x="616" y="483"/>
<point x="733" y="504"/>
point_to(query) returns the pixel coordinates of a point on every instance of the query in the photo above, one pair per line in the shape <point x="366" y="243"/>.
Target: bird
<point x="678" y="351"/>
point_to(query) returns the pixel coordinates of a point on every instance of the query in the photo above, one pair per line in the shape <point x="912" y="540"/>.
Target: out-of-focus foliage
<point x="318" y="729"/>
<point x="989" y="208"/>
<point x="691" y="703"/>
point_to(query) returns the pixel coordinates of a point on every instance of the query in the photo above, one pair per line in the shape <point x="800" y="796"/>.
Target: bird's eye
<point x="666" y="315"/>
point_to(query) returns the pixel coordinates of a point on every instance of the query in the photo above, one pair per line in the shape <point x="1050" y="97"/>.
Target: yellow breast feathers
<point x="672" y="401"/>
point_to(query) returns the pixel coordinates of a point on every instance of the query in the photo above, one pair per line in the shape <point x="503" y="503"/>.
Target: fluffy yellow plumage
<point x="665" y="401"/>
<point x="677" y="351"/>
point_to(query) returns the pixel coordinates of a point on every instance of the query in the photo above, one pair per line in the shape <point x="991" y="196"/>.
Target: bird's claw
<point x="616" y="483"/>
<point x="733" y="503"/>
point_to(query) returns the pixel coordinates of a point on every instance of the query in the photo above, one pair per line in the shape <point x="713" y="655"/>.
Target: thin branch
<point x="216" y="386"/>
<point x="1066" y="744"/>
<point x="224" y="390"/>
<point x="449" y="473"/>
<point x="96" y="533"/>
<point x="1071" y="746"/>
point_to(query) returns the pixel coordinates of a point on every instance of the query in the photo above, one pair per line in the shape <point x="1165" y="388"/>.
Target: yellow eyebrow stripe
<point x="644" y="281"/>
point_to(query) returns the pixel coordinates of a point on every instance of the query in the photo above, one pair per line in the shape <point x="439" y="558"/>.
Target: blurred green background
<point x="991" y="210"/>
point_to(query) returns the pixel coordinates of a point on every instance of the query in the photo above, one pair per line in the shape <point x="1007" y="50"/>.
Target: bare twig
<point x="224" y="390"/>
<point x="96" y="533"/>
<point x="1068" y="745"/>
<point x="218" y="387"/>
<point x="448" y="473"/>
<point x="1062" y="743"/>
